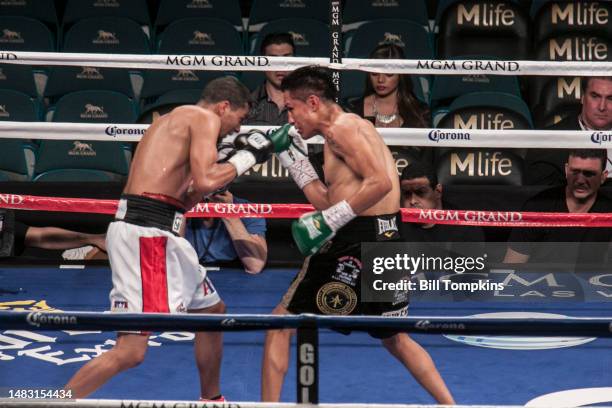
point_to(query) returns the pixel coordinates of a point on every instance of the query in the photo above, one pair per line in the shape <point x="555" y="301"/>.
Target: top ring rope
<point x="470" y="138"/>
<point x="264" y="63"/>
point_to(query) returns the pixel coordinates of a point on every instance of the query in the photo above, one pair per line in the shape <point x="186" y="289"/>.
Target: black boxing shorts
<point x="329" y="282"/>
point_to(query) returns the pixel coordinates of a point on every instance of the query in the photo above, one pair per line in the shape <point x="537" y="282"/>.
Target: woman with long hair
<point x="388" y="99"/>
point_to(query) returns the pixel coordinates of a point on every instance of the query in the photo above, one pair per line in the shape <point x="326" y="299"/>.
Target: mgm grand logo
<point x="392" y="38"/>
<point x="292" y="4"/>
<point x="81" y="149"/>
<point x="200" y="38"/>
<point x="106" y="3"/>
<point x="199" y="4"/>
<point x="299" y="38"/>
<point x="385" y="3"/>
<point x="105" y="37"/>
<point x="10" y="36"/>
<point x="93" y="112"/>
<point x="485" y="15"/>
<point x="90" y="73"/>
<point x="577" y="49"/>
<point x="185" y="75"/>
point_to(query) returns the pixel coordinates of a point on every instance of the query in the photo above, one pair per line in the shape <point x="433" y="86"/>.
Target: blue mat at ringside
<point x="353" y="368"/>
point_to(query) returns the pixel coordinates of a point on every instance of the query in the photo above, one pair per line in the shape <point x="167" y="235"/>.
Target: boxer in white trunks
<point x="154" y="269"/>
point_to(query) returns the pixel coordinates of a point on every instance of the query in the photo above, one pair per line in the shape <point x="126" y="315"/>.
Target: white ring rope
<point x="263" y="63"/>
<point x="471" y="138"/>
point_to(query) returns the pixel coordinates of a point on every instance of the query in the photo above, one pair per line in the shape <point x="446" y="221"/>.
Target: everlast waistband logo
<point x="482" y="121"/>
<point x="486" y="15"/>
<point x="577" y="49"/>
<point x="481" y="164"/>
<point x="579" y="14"/>
<point x="569" y="89"/>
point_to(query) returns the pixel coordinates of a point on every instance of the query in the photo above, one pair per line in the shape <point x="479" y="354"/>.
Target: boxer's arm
<point x="349" y="142"/>
<point x="207" y="174"/>
<point x="316" y="193"/>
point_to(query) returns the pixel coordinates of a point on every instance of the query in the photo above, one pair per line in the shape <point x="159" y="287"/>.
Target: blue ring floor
<point x="353" y="368"/>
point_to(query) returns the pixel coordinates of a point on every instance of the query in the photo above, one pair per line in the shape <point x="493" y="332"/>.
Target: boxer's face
<point x="302" y="114"/>
<point x="584" y="176"/>
<point x="597" y="104"/>
<point x="418" y="193"/>
<point x="231" y="119"/>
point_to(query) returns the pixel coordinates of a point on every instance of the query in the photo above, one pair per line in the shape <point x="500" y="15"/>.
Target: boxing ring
<point x="351" y="368"/>
<point x="521" y="350"/>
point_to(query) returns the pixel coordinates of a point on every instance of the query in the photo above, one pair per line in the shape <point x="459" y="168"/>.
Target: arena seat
<point x="412" y="37"/>
<point x="42" y="10"/>
<point x="480" y="166"/>
<point x="168" y="101"/>
<point x="496" y="27"/>
<point x="64" y="160"/>
<point x="559" y="96"/>
<point x="25" y="34"/>
<point x="357" y="12"/>
<point x="310" y="37"/>
<point x="19" y="78"/>
<point x="483" y="110"/>
<point x="555" y="18"/>
<point x="159" y="82"/>
<point x="17" y="155"/>
<point x="136" y="10"/>
<point x="16" y="159"/>
<point x="200" y="36"/>
<point x="445" y="88"/>
<point x="265" y="11"/>
<point x="18" y="106"/>
<point x="572" y="47"/>
<point x="172" y="10"/>
<point x="113" y="35"/>
<point x="487" y="110"/>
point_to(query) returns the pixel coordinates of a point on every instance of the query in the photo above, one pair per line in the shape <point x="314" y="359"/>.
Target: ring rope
<point x="473" y="138"/>
<point x="266" y="63"/>
<point x="252" y="210"/>
<point x="470" y="325"/>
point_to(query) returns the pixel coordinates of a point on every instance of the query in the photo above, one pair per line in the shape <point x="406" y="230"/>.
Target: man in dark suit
<point x="547" y="166"/>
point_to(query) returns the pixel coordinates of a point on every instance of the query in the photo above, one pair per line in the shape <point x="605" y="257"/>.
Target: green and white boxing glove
<point x="292" y="152"/>
<point x="312" y="230"/>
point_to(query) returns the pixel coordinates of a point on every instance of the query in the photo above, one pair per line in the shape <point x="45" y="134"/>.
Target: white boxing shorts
<point x="153" y="269"/>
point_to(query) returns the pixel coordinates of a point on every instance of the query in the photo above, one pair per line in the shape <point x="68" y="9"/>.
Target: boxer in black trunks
<point x="358" y="202"/>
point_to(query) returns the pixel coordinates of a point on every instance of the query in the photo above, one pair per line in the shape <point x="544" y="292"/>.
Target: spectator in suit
<point x="546" y="166"/>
